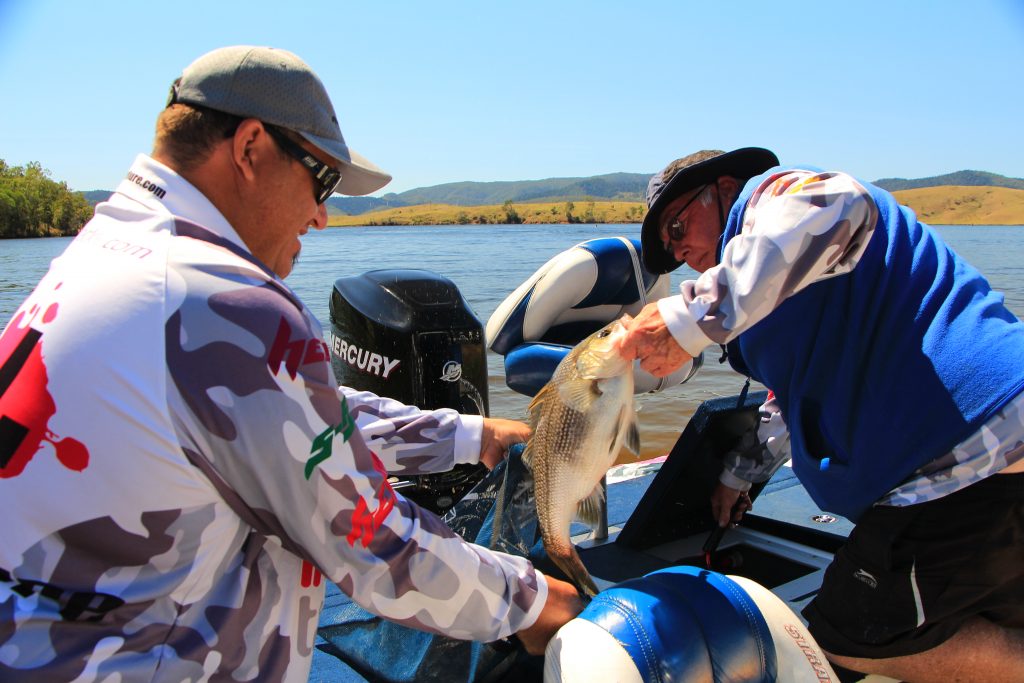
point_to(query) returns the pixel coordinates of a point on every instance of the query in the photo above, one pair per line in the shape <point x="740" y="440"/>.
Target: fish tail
<point x="573" y="567"/>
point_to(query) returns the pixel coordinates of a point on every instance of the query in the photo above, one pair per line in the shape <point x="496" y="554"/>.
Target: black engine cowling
<point x="410" y="335"/>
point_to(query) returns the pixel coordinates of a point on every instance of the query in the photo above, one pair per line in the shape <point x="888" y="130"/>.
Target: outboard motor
<point x="410" y="335"/>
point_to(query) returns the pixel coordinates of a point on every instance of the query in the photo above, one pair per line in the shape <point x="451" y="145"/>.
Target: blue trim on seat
<point x="511" y="333"/>
<point x="617" y="284"/>
<point x="528" y="367"/>
<point x="686" y="623"/>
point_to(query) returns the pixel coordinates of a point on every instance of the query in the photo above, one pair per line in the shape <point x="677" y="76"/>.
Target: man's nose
<point x="678" y="250"/>
<point x="320" y="221"/>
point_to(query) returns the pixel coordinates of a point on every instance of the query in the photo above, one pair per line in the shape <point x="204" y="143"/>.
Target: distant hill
<point x="612" y="186"/>
<point x="960" y="179"/>
<point x="965" y="205"/>
<point x="94" y="197"/>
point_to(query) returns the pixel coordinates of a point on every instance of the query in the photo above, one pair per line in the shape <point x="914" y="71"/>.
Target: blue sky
<point x="440" y="91"/>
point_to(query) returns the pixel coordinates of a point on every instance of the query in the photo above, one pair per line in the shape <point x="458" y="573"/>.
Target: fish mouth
<point x="602" y="363"/>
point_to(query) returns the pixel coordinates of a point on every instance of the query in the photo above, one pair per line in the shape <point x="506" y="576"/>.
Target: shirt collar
<point x="161" y="189"/>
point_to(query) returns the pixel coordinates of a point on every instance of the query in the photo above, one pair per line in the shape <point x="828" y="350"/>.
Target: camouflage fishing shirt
<point x="179" y="472"/>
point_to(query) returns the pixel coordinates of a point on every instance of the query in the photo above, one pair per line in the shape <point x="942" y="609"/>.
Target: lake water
<point x="488" y="262"/>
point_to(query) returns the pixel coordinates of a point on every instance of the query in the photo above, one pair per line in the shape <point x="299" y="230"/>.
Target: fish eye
<point x="604" y="333"/>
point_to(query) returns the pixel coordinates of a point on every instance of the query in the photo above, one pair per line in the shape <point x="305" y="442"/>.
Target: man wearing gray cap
<point x="897" y="387"/>
<point x="178" y="469"/>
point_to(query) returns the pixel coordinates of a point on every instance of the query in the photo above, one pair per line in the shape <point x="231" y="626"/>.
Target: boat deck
<point x="658" y="516"/>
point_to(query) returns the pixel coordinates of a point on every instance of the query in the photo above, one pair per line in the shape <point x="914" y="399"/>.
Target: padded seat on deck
<point x="685" y="624"/>
<point x="574" y="294"/>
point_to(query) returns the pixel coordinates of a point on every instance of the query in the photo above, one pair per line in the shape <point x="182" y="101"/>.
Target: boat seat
<point x="574" y="294"/>
<point x="686" y="624"/>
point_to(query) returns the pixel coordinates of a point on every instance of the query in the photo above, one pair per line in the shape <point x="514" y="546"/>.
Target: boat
<point x="739" y="593"/>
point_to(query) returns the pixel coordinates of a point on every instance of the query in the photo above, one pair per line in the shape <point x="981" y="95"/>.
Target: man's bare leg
<point x="980" y="651"/>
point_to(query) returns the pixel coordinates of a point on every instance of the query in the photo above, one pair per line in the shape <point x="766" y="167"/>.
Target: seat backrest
<point x="571" y="296"/>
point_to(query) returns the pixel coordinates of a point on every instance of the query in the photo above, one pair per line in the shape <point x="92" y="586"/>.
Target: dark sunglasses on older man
<point x="677" y="231"/>
<point x="325" y="178"/>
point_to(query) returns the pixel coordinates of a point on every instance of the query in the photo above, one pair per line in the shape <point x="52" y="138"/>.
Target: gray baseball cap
<point x="276" y="87"/>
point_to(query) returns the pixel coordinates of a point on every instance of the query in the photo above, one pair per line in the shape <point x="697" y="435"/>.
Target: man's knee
<point x="978" y="651"/>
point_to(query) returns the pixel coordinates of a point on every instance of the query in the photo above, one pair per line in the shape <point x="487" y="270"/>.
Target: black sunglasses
<point x="676" y="230"/>
<point x="325" y="178"/>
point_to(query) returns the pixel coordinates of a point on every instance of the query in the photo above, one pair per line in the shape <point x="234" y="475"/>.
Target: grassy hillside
<point x="960" y="205"/>
<point x="948" y="205"/>
<point x="542" y="212"/>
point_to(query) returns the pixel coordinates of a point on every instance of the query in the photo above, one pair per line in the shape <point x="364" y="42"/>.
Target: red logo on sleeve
<point x="311" y="576"/>
<point x="25" y="403"/>
<point x="295" y="352"/>
<point x="364" y="522"/>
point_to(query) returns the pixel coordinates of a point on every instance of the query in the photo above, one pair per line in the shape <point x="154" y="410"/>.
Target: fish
<point x="580" y="421"/>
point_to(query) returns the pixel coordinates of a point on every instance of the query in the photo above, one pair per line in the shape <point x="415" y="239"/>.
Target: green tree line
<point x="34" y="205"/>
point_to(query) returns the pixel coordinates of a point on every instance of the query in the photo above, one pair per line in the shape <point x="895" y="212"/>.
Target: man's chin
<point x="295" y="262"/>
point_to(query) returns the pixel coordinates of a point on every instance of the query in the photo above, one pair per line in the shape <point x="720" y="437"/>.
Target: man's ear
<point x="248" y="146"/>
<point x="728" y="186"/>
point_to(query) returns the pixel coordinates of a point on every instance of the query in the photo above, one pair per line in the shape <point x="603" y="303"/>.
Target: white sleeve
<point x="799" y="227"/>
<point x="413" y="441"/>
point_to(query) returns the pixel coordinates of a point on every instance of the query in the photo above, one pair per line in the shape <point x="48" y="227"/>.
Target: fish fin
<point x="539" y="398"/>
<point x="579" y="394"/>
<point x="527" y="456"/>
<point x="632" y="441"/>
<point x="588" y="510"/>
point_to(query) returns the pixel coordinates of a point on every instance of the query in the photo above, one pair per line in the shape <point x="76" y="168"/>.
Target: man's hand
<point x="498" y="436"/>
<point x="729" y="504"/>
<point x="563" y="604"/>
<point x="648" y="338"/>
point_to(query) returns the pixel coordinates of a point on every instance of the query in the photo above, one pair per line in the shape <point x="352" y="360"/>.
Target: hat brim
<point x="742" y="164"/>
<point x="359" y="175"/>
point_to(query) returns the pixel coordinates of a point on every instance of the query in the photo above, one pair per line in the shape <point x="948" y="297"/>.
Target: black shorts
<point x="909" y="577"/>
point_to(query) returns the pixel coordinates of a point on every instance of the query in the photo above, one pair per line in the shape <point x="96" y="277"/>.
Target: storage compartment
<point x="767" y="568"/>
<point x="613" y="562"/>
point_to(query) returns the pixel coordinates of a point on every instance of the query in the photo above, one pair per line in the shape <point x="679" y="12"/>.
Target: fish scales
<point x="581" y="419"/>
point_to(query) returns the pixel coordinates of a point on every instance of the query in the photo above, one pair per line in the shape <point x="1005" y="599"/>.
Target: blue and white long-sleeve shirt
<point x="799" y="228"/>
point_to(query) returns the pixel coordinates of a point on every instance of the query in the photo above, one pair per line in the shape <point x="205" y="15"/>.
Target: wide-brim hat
<point x="670" y="184"/>
<point x="276" y="87"/>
